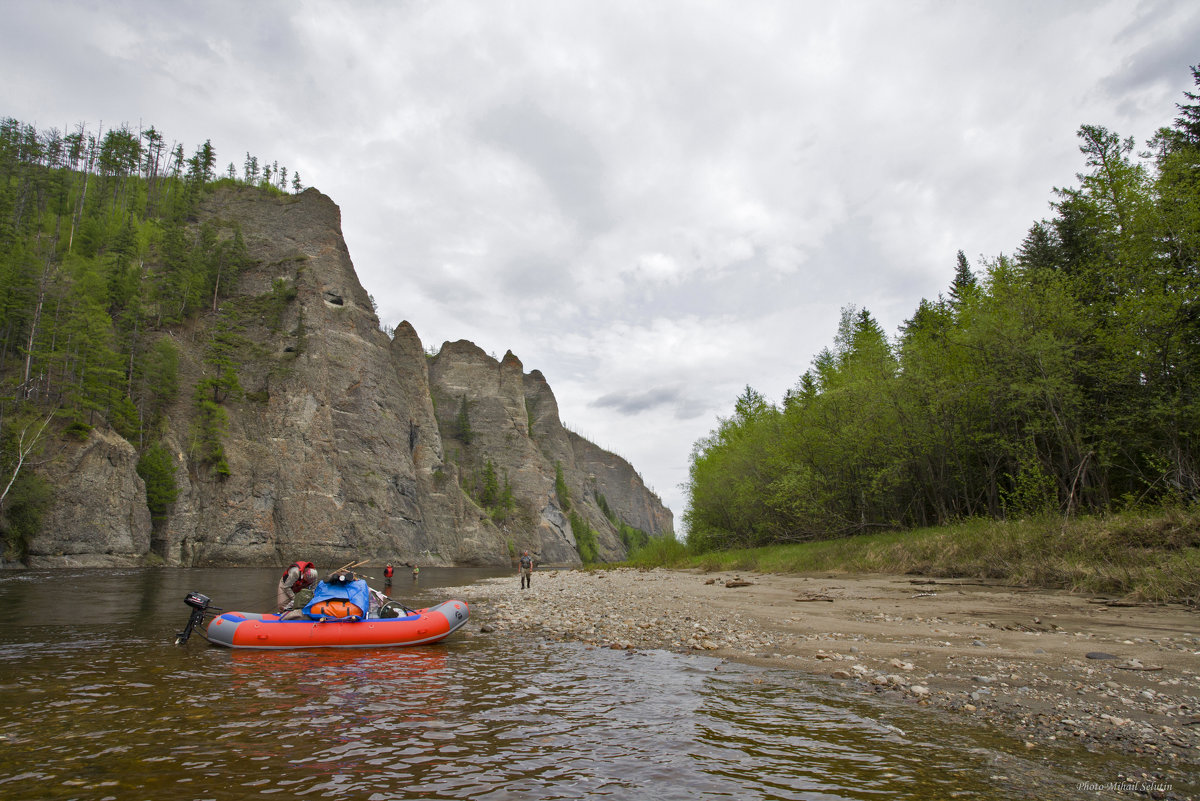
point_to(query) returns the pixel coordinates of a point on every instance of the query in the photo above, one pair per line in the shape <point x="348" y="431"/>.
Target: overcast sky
<point x="653" y="203"/>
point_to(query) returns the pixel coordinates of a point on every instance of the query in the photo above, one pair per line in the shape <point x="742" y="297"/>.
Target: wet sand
<point x="1043" y="666"/>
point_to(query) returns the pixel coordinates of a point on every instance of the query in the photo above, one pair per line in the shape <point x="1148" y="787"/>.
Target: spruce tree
<point x="462" y="423"/>
<point x="964" y="281"/>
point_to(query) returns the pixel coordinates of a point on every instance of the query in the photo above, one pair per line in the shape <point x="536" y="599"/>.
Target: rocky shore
<point x="1049" y="668"/>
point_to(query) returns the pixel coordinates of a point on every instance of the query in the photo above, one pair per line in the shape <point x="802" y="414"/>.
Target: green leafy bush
<point x="585" y="539"/>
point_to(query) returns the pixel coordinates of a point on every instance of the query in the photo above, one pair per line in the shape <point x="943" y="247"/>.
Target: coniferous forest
<point x="1063" y="379"/>
<point x="100" y="253"/>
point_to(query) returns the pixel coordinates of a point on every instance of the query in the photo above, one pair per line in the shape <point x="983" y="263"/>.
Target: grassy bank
<point x="1142" y="557"/>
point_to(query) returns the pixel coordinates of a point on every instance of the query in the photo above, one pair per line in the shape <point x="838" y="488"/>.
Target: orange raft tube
<point x="253" y="630"/>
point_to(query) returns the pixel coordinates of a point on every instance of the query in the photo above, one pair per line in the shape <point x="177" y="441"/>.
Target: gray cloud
<point x="679" y="401"/>
<point x="558" y="153"/>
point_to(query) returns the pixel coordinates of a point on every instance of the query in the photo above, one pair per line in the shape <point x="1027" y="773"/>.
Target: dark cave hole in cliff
<point x="334" y="300"/>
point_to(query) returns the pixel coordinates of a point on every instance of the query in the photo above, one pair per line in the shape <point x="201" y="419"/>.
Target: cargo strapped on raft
<point x="340" y="597"/>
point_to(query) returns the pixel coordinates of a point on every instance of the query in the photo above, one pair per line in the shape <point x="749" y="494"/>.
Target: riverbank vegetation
<point x="1139" y="556"/>
<point x="1047" y="398"/>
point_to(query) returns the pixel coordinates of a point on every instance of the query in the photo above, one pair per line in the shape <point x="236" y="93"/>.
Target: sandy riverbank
<point x="1044" y="666"/>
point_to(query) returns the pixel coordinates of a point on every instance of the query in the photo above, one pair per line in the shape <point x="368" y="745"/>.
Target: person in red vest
<point x="299" y="576"/>
<point x="388" y="572"/>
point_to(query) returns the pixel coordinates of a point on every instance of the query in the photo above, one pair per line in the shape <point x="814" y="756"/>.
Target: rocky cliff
<point x="338" y="442"/>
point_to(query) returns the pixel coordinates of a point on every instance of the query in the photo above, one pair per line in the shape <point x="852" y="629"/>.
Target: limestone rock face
<point x="99" y="516"/>
<point x="622" y="487"/>
<point x="493" y="414"/>
<point x="343" y="443"/>
<point x="471" y="388"/>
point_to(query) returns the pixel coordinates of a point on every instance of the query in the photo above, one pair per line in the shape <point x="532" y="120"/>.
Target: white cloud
<point x="654" y="268"/>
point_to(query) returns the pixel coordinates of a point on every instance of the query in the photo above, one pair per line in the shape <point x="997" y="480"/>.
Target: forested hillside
<point x="1063" y="378"/>
<point x="99" y="254"/>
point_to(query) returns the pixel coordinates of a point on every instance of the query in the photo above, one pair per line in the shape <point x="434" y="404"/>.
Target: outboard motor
<point x="200" y="606"/>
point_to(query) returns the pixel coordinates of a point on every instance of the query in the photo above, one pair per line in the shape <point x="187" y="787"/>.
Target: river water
<point x="101" y="704"/>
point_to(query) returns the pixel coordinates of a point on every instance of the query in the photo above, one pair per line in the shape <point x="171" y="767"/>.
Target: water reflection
<point x="405" y="682"/>
<point x="108" y="708"/>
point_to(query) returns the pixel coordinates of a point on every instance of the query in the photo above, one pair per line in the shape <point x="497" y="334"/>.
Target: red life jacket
<point x="387" y="571"/>
<point x="303" y="581"/>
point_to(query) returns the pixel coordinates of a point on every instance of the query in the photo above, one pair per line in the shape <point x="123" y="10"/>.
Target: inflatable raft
<point x="343" y="613"/>
<point x="254" y="630"/>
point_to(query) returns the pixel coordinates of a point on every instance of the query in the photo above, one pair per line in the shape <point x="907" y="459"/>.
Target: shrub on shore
<point x="1150" y="557"/>
<point x="661" y="552"/>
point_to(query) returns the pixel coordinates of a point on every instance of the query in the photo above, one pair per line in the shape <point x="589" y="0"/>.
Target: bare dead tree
<point x="25" y="444"/>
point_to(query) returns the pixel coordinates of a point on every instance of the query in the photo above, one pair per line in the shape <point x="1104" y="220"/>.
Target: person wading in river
<point x="526" y="569"/>
<point x="299" y="576"/>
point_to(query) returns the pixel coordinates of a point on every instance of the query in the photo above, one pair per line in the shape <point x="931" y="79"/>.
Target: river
<point x="101" y="704"/>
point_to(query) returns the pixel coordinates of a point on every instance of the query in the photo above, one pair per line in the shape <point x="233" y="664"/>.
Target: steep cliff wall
<point x="342" y="444"/>
<point x="622" y="488"/>
<point x="99" y="517"/>
<point x="494" y="417"/>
